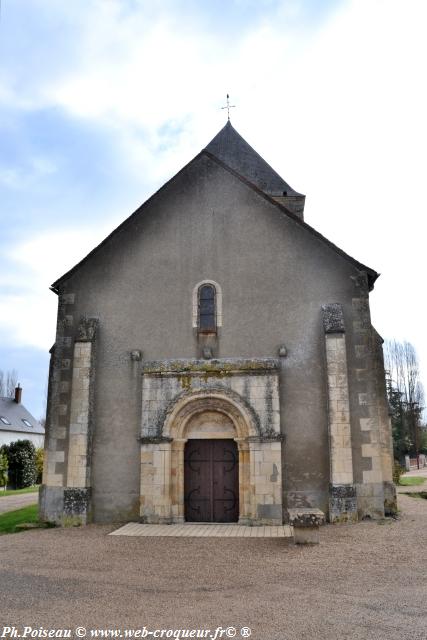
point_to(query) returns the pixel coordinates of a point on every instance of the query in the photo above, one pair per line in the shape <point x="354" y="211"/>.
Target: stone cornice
<point x="191" y="366"/>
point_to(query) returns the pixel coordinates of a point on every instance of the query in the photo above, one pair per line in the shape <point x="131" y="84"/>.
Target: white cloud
<point x="29" y="307"/>
<point x="338" y="109"/>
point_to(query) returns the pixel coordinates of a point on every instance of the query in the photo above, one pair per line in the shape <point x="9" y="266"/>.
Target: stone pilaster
<point x="77" y="493"/>
<point x="342" y="494"/>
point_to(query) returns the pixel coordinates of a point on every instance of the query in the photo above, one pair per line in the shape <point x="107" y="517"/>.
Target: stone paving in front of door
<point x="203" y="531"/>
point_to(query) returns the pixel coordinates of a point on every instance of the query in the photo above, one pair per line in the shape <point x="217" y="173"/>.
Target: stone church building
<point x="215" y="362"/>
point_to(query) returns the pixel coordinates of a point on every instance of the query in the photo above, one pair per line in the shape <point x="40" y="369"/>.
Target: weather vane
<point x="228" y="107"/>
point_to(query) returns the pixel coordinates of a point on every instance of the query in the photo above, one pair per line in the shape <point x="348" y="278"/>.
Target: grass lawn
<point x="10" y="519"/>
<point x="411" y="481"/>
<point x="16" y="492"/>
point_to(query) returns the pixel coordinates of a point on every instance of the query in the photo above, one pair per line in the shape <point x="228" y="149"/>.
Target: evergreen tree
<point x="21" y="457"/>
<point x="3" y="470"/>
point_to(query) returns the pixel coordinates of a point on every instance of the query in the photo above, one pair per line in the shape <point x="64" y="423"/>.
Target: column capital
<point x="333" y="318"/>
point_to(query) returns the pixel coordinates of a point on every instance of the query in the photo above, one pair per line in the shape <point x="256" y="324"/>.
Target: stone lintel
<point x="333" y="318"/>
<point x="189" y="366"/>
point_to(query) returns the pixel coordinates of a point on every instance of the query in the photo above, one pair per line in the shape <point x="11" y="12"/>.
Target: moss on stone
<point x="215" y="368"/>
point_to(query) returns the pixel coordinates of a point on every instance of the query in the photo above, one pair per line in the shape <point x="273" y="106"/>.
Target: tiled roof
<point x="235" y="152"/>
<point x="15" y="413"/>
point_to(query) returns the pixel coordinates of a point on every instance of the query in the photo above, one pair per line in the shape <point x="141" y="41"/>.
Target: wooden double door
<point x="211" y="481"/>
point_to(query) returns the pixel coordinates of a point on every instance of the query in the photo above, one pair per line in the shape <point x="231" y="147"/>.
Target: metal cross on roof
<point x="228" y="107"/>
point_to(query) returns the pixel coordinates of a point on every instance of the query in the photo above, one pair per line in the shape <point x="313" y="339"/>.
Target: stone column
<point x="177" y="481"/>
<point x="245" y="510"/>
<point x="156" y="460"/>
<point x="342" y="492"/>
<point x="77" y="491"/>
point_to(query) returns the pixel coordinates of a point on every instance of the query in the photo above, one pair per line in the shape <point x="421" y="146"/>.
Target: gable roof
<point x="15" y="413"/>
<point x="233" y="150"/>
<point x="251" y="165"/>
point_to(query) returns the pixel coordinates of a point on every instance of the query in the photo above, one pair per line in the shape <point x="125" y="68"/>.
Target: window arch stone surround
<point x="218" y="300"/>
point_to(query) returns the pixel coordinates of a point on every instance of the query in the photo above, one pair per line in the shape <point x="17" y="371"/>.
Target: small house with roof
<point x="17" y="423"/>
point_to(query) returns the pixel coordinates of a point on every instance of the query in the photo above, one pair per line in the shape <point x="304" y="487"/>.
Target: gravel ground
<point x="366" y="581"/>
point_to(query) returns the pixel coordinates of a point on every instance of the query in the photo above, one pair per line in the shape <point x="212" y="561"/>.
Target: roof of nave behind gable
<point x="229" y="150"/>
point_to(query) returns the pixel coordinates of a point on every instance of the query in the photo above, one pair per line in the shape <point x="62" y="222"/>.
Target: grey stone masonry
<point x="77" y="494"/>
<point x="333" y="318"/>
<point x="58" y="395"/>
<point x="76" y="503"/>
<point x="375" y="461"/>
<point x="253" y="381"/>
<point x="306" y="523"/>
<point x="342" y="500"/>
<point x="342" y="503"/>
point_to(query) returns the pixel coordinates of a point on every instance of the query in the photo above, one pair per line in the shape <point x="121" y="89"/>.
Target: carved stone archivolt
<point x="188" y="405"/>
<point x="216" y="399"/>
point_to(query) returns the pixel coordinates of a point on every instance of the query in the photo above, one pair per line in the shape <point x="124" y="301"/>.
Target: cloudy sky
<point x="102" y="101"/>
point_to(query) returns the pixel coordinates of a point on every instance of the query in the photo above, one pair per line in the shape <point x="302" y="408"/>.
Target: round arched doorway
<point x="211" y="469"/>
<point x="214" y="427"/>
<point x="213" y="416"/>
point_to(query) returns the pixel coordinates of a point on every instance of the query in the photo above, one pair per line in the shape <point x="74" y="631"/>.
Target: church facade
<point x="215" y="361"/>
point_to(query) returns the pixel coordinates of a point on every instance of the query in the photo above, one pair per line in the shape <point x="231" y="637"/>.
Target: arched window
<point x="207" y="309"/>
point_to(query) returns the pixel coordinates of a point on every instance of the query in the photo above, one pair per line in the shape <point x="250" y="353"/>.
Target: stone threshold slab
<point x="203" y="531"/>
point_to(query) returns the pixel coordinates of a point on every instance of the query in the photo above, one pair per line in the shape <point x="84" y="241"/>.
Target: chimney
<point x="18" y="394"/>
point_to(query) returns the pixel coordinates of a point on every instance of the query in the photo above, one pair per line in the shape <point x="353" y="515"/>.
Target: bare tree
<point x="402" y="364"/>
<point x="8" y="383"/>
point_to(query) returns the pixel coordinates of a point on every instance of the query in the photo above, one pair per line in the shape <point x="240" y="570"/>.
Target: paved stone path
<point x="11" y="503"/>
<point x="203" y="531"/>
